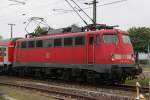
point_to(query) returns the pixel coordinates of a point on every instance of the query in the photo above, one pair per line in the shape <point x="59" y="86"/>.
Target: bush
<point x="144" y="61"/>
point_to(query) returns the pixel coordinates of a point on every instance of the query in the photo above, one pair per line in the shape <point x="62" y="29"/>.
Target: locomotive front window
<point x="110" y="38"/>
<point x="126" y="39"/>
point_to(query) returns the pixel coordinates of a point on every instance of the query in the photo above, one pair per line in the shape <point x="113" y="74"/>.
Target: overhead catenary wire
<point x="17" y="1"/>
<point x="114" y="2"/>
<point x="76" y="12"/>
<point x="110" y="3"/>
<point x="82" y="10"/>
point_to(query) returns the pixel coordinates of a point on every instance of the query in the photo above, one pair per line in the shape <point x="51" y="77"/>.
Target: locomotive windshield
<point x="126" y="39"/>
<point x="110" y="38"/>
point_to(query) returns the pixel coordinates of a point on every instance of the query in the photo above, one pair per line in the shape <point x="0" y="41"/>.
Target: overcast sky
<point x="130" y="13"/>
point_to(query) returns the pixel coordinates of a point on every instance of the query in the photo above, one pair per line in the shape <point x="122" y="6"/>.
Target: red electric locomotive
<point x="104" y="55"/>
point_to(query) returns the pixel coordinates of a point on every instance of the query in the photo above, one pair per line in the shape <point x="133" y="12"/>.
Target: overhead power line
<point x="75" y="10"/>
<point x="110" y="3"/>
<point x="17" y="1"/>
<point x="84" y="12"/>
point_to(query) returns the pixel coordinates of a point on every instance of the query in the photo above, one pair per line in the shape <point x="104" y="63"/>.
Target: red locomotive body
<point x="102" y="55"/>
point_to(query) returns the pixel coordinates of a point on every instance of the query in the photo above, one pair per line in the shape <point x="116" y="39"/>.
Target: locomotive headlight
<point x="116" y="57"/>
<point x="129" y="56"/>
<point x="119" y="57"/>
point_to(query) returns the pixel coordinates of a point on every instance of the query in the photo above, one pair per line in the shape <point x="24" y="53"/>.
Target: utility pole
<point x="94" y="3"/>
<point x="94" y="11"/>
<point x="11" y="26"/>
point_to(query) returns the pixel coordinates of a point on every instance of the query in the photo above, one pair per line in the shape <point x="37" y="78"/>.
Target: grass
<point x="143" y="82"/>
<point x="1" y="98"/>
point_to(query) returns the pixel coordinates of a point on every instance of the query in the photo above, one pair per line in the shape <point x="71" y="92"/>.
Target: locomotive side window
<point x="68" y="41"/>
<point x="24" y="44"/>
<point x="110" y="38"/>
<point x="57" y="42"/>
<point x="80" y="40"/>
<point x="126" y="39"/>
<point x="31" y="44"/>
<point x="48" y="43"/>
<point x="39" y="43"/>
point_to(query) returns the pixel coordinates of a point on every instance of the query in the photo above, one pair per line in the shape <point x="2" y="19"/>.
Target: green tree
<point x="140" y="38"/>
<point x="40" y="31"/>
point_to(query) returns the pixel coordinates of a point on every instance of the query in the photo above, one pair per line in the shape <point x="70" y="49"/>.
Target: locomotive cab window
<point x="58" y="42"/>
<point x="68" y="41"/>
<point x="31" y="44"/>
<point x="110" y="38"/>
<point x="24" y="44"/>
<point x="39" y="43"/>
<point x="126" y="39"/>
<point x="80" y="40"/>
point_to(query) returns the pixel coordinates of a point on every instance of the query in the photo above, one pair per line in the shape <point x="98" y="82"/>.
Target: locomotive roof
<point x="74" y="34"/>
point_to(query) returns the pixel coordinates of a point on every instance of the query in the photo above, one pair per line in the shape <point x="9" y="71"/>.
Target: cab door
<point x="91" y="49"/>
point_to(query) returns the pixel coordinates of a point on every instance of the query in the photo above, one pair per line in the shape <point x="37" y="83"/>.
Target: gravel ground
<point x="11" y="93"/>
<point x="69" y="85"/>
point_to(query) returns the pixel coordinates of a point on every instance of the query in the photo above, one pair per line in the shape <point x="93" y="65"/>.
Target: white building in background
<point x="143" y="56"/>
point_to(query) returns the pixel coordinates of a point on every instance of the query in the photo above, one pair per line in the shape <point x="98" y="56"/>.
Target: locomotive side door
<point x="91" y="49"/>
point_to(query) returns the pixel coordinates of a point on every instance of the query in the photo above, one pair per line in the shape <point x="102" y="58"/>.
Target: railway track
<point x="58" y="93"/>
<point x="132" y="88"/>
<point x="67" y="92"/>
